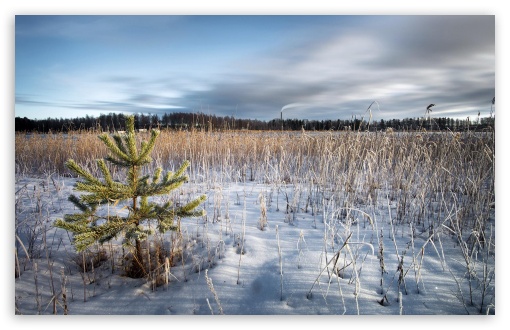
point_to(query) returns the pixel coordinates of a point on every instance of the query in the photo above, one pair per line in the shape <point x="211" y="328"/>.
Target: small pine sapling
<point x="91" y="225"/>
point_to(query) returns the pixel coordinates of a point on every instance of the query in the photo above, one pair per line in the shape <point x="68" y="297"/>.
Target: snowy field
<point x="301" y="224"/>
<point x="308" y="259"/>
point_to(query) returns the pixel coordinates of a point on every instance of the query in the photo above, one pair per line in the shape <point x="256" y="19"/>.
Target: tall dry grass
<point x="421" y="171"/>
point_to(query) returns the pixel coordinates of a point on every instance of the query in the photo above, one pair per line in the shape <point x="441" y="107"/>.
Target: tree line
<point x="180" y="120"/>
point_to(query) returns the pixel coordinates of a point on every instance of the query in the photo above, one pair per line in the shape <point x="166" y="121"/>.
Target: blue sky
<point x="317" y="67"/>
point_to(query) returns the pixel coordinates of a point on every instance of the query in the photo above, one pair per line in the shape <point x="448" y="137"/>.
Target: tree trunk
<point x="137" y="266"/>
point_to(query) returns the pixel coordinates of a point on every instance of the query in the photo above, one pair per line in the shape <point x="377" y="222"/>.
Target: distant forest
<point x="184" y="121"/>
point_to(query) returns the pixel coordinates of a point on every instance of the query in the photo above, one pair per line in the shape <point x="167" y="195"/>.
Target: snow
<point x="253" y="282"/>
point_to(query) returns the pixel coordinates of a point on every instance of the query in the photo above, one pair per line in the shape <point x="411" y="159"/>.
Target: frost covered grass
<point x="297" y="223"/>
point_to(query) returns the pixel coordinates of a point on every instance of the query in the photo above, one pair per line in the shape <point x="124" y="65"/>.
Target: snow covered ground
<point x="312" y="258"/>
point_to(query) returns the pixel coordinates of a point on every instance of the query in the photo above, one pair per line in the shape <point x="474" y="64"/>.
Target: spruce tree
<point x="92" y="224"/>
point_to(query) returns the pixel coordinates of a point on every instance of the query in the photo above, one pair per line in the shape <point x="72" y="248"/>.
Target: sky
<point x="253" y="66"/>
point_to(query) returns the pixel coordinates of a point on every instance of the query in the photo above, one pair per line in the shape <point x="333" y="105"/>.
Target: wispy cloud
<point x="256" y="68"/>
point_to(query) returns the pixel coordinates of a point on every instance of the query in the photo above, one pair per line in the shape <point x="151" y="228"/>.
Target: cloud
<point x="337" y="69"/>
<point x="435" y="40"/>
<point x="440" y="59"/>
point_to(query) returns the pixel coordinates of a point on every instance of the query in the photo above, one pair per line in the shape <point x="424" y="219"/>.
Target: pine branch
<point x="120" y="144"/>
<point x="148" y="147"/>
<point x="162" y="188"/>
<point x="114" y="149"/>
<point x="131" y="146"/>
<point x="181" y="170"/>
<point x="187" y="210"/>
<point x="101" y="234"/>
<point x="72" y="227"/>
<point x="76" y="201"/>
<point x="106" y="173"/>
<point x="77" y="218"/>
<point x="117" y="162"/>
<point x="157" y="175"/>
<point x="73" y="166"/>
<point x="102" y="194"/>
<point x="138" y="233"/>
